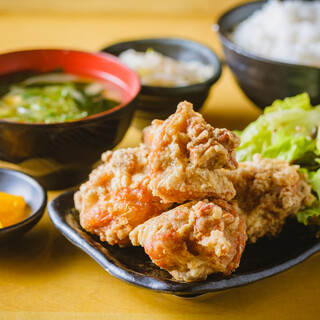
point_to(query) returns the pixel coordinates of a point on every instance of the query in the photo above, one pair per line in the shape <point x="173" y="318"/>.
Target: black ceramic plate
<point x="261" y="260"/>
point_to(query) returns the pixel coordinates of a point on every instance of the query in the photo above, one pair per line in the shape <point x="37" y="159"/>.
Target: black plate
<point x="261" y="260"/>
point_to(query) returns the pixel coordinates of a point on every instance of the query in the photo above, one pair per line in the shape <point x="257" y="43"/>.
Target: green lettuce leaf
<point x="301" y="101"/>
<point x="283" y="131"/>
<point x="290" y="130"/>
<point x="317" y="149"/>
<point x="309" y="216"/>
<point x="314" y="179"/>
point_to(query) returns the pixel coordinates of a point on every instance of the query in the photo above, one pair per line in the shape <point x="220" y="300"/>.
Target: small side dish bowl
<point x="264" y="80"/>
<point x="155" y="102"/>
<point x="61" y="154"/>
<point x="20" y="184"/>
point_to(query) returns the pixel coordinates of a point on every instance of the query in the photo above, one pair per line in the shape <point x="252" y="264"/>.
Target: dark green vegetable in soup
<point x="54" y="97"/>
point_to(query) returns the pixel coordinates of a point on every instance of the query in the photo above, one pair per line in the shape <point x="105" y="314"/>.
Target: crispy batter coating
<point x="116" y="198"/>
<point x="188" y="157"/>
<point x="268" y="191"/>
<point x="194" y="240"/>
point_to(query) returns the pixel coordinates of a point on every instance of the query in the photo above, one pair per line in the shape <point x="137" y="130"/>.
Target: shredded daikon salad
<point x="155" y="69"/>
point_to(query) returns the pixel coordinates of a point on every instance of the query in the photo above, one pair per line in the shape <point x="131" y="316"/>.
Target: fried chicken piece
<point x="194" y="240"/>
<point x="149" y="131"/>
<point x="188" y="157"/>
<point x="116" y="198"/>
<point x="268" y="191"/>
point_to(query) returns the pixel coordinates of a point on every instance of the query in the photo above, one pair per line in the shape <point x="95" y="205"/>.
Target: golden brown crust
<point x="188" y="157"/>
<point x="268" y="191"/>
<point x="185" y="159"/>
<point x="116" y="198"/>
<point x="194" y="240"/>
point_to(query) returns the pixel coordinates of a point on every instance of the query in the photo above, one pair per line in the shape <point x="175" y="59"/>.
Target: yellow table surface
<point x="43" y="276"/>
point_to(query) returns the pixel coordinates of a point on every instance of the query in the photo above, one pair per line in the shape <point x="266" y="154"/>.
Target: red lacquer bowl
<point x="60" y="155"/>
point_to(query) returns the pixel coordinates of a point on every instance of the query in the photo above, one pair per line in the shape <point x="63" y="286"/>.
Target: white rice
<point x="286" y="31"/>
<point x="155" y="69"/>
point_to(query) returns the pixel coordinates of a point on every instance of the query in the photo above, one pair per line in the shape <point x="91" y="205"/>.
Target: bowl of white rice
<point x="273" y="48"/>
<point x="170" y="70"/>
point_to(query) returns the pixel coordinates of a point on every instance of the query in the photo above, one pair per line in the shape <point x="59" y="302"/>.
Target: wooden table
<point x="43" y="276"/>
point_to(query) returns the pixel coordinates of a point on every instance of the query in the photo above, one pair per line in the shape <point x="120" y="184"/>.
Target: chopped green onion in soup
<point x="54" y="97"/>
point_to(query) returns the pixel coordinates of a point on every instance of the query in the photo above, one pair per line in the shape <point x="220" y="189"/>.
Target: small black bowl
<point x="160" y="102"/>
<point x="18" y="183"/>
<point x="264" y="80"/>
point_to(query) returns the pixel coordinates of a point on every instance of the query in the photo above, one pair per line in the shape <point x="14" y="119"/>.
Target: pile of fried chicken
<point x="183" y="197"/>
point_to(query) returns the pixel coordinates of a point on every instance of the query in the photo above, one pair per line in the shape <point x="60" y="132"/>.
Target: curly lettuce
<point x="290" y="130"/>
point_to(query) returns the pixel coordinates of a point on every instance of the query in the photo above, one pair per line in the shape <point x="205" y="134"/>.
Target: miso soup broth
<point x="56" y="97"/>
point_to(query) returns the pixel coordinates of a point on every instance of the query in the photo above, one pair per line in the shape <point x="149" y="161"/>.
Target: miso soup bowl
<point x="61" y="155"/>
